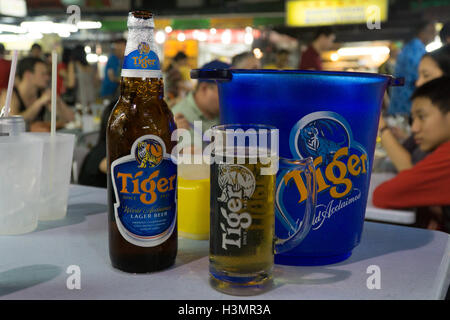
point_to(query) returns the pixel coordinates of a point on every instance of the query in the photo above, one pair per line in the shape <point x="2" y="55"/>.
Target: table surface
<point x="413" y="264"/>
<point x="373" y="213"/>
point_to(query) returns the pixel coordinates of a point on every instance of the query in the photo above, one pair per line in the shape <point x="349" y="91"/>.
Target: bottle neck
<point x="151" y="88"/>
<point x="141" y="54"/>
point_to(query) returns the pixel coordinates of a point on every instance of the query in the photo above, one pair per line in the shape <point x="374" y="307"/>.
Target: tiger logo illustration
<point x="235" y="179"/>
<point x="149" y="153"/>
<point x="144" y="48"/>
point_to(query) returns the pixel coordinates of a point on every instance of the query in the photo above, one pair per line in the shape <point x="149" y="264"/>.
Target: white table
<point x="413" y="264"/>
<point x="386" y="215"/>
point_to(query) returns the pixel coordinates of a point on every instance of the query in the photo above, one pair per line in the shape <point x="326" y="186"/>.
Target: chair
<point x="83" y="145"/>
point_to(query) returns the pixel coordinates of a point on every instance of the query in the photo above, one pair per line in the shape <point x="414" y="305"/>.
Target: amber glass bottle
<point x="141" y="176"/>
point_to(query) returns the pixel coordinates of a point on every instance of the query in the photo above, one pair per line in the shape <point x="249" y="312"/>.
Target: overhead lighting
<point x="248" y="38"/>
<point x="64" y="34"/>
<point x="226" y="37"/>
<point x="38" y="26"/>
<point x="202" y="36"/>
<point x="33" y="35"/>
<point x="92" y="58"/>
<point x="363" y="51"/>
<point x="258" y="53"/>
<point x="48" y="27"/>
<point x="160" y="37"/>
<point x="12" y="28"/>
<point x="334" y="57"/>
<point x="181" y="37"/>
<point x="168" y="29"/>
<point x="102" y="58"/>
<point x="436" y="44"/>
<point x="89" y="24"/>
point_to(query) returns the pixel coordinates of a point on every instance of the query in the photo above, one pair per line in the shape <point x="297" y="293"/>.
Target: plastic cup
<point x="20" y="172"/>
<point x="55" y="174"/>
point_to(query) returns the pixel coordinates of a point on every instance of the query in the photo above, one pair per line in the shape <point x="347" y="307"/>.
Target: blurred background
<point x="219" y="29"/>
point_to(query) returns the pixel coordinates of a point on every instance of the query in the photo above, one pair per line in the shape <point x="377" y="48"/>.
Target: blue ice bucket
<point x="330" y="116"/>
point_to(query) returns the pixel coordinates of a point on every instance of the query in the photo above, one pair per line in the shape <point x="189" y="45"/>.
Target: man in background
<point x="322" y="41"/>
<point x="407" y="65"/>
<point x="36" y="51"/>
<point x="200" y="105"/>
<point x="281" y="60"/>
<point x="245" y="60"/>
<point x="111" y="79"/>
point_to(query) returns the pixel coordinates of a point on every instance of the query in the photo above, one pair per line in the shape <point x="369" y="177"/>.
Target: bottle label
<point x="144" y="184"/>
<point x="141" y="62"/>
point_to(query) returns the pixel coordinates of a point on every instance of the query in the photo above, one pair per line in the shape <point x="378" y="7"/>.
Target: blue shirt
<point x="407" y="64"/>
<point x="109" y="87"/>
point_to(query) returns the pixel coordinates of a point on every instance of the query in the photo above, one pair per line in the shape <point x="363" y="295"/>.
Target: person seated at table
<point x="404" y="155"/>
<point x="200" y="105"/>
<point x="94" y="167"/>
<point x="426" y="185"/>
<point x="245" y="60"/>
<point x="31" y="97"/>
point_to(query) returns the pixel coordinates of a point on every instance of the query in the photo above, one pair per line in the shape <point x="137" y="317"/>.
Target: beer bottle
<point x="141" y="175"/>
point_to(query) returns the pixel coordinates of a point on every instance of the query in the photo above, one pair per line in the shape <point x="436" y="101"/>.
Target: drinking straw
<point x="12" y="75"/>
<point x="53" y="119"/>
<point x="54" y="77"/>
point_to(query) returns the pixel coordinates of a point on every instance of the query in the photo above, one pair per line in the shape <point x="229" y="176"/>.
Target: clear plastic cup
<point x="20" y="172"/>
<point x="55" y="175"/>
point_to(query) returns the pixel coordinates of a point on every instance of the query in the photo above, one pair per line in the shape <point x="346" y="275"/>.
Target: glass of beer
<point x="244" y="166"/>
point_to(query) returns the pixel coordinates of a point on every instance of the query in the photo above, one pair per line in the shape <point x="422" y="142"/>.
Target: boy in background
<point x="426" y="186"/>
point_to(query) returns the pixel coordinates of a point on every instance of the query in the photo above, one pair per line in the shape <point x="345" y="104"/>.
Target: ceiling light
<point x="202" y="36"/>
<point x="89" y="24"/>
<point x="363" y="51"/>
<point x="226" y="37"/>
<point x="160" y="37"/>
<point x="436" y="44"/>
<point x="12" y="28"/>
<point x="248" y="38"/>
<point x="258" y="53"/>
<point x="92" y="58"/>
<point x="181" y="37"/>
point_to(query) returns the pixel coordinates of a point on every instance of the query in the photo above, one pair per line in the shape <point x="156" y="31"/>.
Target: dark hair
<point x="327" y="31"/>
<point x="445" y="32"/>
<point x="27" y="64"/>
<point x="282" y="51"/>
<point x="119" y="40"/>
<point x="180" y="56"/>
<point x="66" y="55"/>
<point x="421" y="26"/>
<point x="437" y="90"/>
<point x="442" y="58"/>
<point x="36" y="46"/>
<point x="78" y="54"/>
<point x="2" y="49"/>
<point x="241" y="57"/>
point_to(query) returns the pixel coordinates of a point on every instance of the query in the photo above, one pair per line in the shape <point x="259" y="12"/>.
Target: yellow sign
<point x="303" y="13"/>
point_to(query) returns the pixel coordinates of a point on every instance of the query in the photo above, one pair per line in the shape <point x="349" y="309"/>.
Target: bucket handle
<point x="211" y="74"/>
